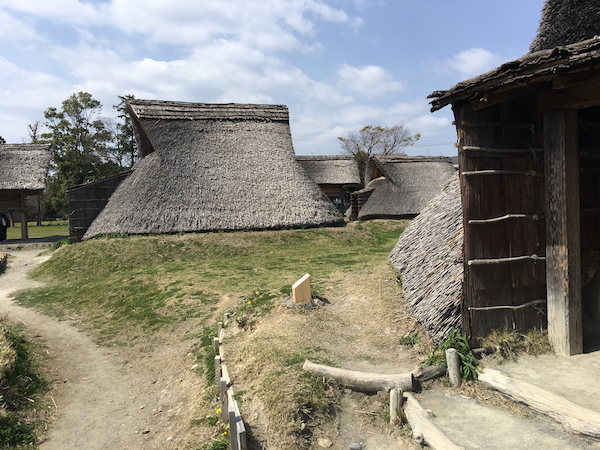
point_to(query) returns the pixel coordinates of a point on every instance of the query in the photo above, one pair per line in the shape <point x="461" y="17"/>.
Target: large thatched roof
<point x="336" y="169"/>
<point x="428" y="259"/>
<point x="566" y="22"/>
<point x="410" y="183"/>
<point x="534" y="71"/>
<point x="213" y="167"/>
<point x="24" y="167"/>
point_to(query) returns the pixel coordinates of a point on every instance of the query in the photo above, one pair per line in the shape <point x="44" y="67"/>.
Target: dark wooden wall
<point x="503" y="257"/>
<point x="85" y="202"/>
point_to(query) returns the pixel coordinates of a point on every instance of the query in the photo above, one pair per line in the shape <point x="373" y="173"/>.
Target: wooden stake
<point x="396" y="402"/>
<point x="453" y="361"/>
<point x="301" y="291"/>
<point x="218" y="371"/>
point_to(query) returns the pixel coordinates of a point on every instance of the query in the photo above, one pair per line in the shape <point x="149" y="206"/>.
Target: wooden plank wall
<point x="516" y="188"/>
<point x="85" y="202"/>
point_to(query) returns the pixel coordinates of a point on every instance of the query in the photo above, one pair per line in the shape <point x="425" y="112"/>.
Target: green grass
<point x="48" y="229"/>
<point x="149" y="281"/>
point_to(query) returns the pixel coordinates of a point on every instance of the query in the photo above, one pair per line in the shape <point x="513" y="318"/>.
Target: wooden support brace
<point x="481" y="262"/>
<point x="530" y="173"/>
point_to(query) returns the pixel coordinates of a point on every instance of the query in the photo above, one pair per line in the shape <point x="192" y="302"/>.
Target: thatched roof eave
<point x="540" y="66"/>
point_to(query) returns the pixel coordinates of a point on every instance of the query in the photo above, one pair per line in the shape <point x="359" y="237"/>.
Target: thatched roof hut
<point x="24" y="167"/>
<point x="23" y="172"/>
<point x="332" y="173"/>
<point x="213" y="167"/>
<point x="428" y="260"/>
<point x="410" y="183"/>
<point x="529" y="165"/>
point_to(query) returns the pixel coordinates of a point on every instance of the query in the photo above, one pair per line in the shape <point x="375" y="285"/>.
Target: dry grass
<point x="7" y="355"/>
<point x="508" y="344"/>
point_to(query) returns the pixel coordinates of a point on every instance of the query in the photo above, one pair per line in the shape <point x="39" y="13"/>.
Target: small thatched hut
<point x="529" y="159"/>
<point x="23" y="171"/>
<point x="408" y="184"/>
<point x="213" y="167"/>
<point x="333" y="174"/>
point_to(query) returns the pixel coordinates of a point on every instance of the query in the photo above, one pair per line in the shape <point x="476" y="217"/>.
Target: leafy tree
<point x="125" y="140"/>
<point x="376" y="140"/>
<point x="80" y="141"/>
<point x="2" y="141"/>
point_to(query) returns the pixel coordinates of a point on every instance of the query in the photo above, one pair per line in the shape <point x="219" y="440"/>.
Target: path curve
<point x="99" y="404"/>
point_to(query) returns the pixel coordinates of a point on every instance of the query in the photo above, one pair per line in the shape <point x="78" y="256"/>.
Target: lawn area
<point x="55" y="228"/>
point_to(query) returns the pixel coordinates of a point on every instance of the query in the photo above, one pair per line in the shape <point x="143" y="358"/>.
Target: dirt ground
<point x="145" y="396"/>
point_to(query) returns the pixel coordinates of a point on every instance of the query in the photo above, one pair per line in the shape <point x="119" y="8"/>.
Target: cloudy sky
<point x="337" y="64"/>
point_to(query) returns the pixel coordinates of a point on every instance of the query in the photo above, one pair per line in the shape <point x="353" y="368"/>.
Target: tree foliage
<point x="2" y="141"/>
<point x="124" y="138"/>
<point x="81" y="142"/>
<point x="376" y="140"/>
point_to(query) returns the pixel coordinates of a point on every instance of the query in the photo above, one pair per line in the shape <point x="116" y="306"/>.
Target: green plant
<point x="220" y="443"/>
<point x="410" y="340"/>
<point x="59" y="244"/>
<point x="455" y="339"/>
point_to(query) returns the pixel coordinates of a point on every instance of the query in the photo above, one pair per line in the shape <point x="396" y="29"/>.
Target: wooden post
<point x="396" y="401"/>
<point x="218" y="371"/>
<point x="232" y="427"/>
<point x="453" y="367"/>
<point x="225" y="317"/>
<point x="301" y="292"/>
<point x="563" y="253"/>
<point x="220" y="330"/>
<point x="216" y="344"/>
<point x="24" y="234"/>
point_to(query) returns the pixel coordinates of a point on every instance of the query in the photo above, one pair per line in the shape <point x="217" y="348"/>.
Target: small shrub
<point x="59" y="244"/>
<point x="468" y="362"/>
<point x="410" y="340"/>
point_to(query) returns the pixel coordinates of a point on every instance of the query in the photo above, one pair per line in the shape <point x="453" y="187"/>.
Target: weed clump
<point x="508" y="344"/>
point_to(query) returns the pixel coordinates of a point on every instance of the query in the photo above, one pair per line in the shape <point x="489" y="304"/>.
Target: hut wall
<point x="516" y="186"/>
<point x="357" y="201"/>
<point x="86" y="201"/>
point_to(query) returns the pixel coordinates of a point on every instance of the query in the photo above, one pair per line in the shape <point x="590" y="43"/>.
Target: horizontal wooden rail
<point x="470" y="148"/>
<point x="531" y="173"/>
<point x="507" y="217"/>
<point x="528" y="126"/>
<point x="491" y="308"/>
<point x="482" y="262"/>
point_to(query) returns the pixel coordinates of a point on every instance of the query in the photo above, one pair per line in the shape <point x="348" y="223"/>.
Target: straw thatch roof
<point x="410" y="183"/>
<point x="428" y="260"/>
<point x="336" y="169"/>
<point x="24" y="167"/>
<point x="566" y="22"/>
<point x="534" y="70"/>
<point x="213" y="167"/>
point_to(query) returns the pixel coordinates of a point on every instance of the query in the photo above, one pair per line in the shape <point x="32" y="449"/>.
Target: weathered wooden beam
<point x="575" y="419"/>
<point x="24" y="231"/>
<point x="563" y="252"/>
<point x="529" y="173"/>
<point x="507" y="217"/>
<point x="532" y="151"/>
<point x="482" y="262"/>
<point x="583" y="94"/>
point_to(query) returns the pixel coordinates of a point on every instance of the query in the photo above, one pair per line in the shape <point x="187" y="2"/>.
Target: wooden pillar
<point x="563" y="255"/>
<point x="24" y="233"/>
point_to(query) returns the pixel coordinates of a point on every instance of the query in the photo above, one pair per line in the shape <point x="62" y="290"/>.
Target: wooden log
<point x="574" y="418"/>
<point x="363" y="381"/>
<point x="425" y="432"/>
<point x="396" y="401"/>
<point x="453" y="361"/>
<point x="429" y="373"/>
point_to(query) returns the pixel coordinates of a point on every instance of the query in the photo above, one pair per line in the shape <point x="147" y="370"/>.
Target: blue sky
<point x="337" y="64"/>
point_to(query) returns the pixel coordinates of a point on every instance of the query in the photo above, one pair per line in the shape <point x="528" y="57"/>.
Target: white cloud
<point x="368" y="81"/>
<point x="471" y="62"/>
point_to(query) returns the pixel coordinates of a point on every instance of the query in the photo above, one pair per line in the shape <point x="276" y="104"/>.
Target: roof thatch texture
<point x="540" y="66"/>
<point x="410" y="183"/>
<point x="213" y="167"/>
<point x="24" y="167"/>
<point x="336" y="169"/>
<point x="566" y="22"/>
<point x="428" y="260"/>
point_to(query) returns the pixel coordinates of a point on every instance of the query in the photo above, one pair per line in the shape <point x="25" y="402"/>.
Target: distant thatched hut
<point x="213" y="167"/>
<point x="333" y="174"/>
<point x="428" y="259"/>
<point x="529" y="157"/>
<point x="408" y="184"/>
<point x="23" y="171"/>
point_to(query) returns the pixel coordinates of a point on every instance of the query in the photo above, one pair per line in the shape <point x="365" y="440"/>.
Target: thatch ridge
<point x="330" y="169"/>
<point x="24" y="167"/>
<point x="543" y="65"/>
<point x="410" y="183"/>
<point x="428" y="260"/>
<point x="566" y="22"/>
<point x="207" y="174"/>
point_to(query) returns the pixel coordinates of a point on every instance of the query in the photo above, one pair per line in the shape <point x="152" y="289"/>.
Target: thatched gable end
<point x="331" y="169"/>
<point x="24" y="167"/>
<point x="566" y="22"/>
<point x="428" y="260"/>
<point x="234" y="169"/>
<point x="410" y="183"/>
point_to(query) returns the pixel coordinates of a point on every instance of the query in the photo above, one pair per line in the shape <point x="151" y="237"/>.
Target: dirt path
<point x="100" y="403"/>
